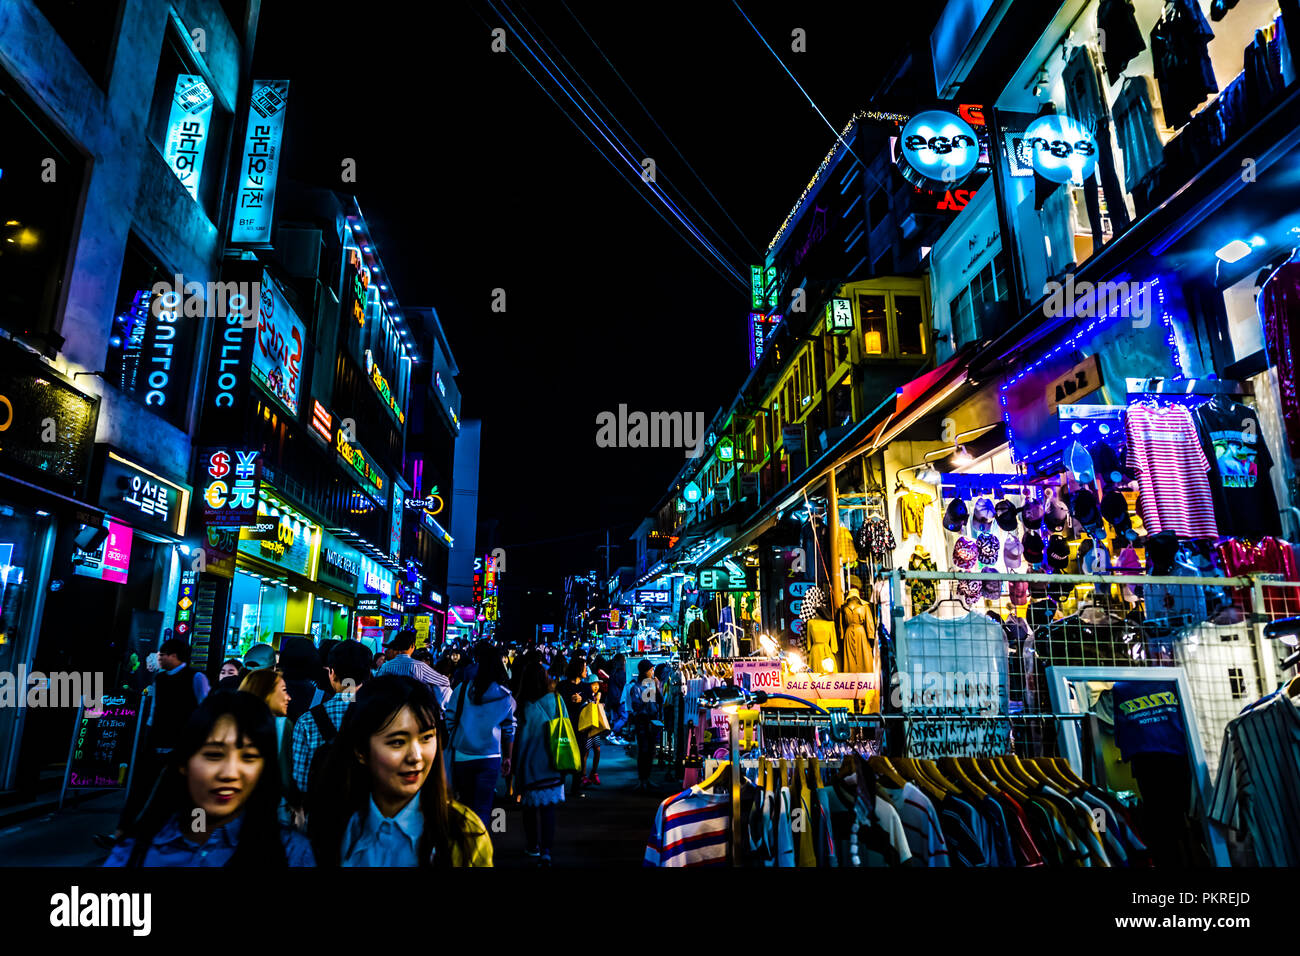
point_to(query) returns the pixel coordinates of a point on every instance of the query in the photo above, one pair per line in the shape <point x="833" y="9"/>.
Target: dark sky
<point x="473" y="180"/>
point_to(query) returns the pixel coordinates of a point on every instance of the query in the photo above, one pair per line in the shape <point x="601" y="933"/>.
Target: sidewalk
<point x="62" y="838"/>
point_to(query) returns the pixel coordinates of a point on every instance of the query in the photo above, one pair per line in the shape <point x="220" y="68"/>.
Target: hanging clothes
<point x="1180" y="49"/>
<point x="1279" y="303"/>
<point x="691" y="829"/>
<point x="822" y="645"/>
<point x="859" y="637"/>
<point x="1085" y="100"/>
<point x="1123" y="36"/>
<point x="911" y="514"/>
<point x="1240" y="463"/>
<point x="923" y="593"/>
<point x="1136" y="125"/>
<point x="1257" y="790"/>
<point x="921" y="823"/>
<point x="1173" y="472"/>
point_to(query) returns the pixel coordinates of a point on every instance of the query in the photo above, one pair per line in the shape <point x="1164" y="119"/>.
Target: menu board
<point x="101" y="749"/>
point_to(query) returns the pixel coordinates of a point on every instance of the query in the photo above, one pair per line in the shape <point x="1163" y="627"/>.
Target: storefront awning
<point x="919" y="396"/>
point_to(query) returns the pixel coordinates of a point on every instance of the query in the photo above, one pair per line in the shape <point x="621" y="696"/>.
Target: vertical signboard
<point x="255" y="201"/>
<point x="230" y="357"/>
<point x="281" y="343"/>
<point x="187" y="130"/>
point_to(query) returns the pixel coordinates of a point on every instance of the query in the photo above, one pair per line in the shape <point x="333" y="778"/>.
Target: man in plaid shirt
<point x="404" y="665"/>
<point x="348" y="668"/>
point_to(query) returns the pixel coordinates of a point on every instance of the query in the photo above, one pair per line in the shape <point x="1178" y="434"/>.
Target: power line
<point x="590" y="113"/>
<point x="709" y="262"/>
<point x="741" y="232"/>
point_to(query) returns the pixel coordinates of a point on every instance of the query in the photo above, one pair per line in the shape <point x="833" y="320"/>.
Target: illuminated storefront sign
<point x="1060" y="149"/>
<point x="839" y="315"/>
<point x="322" y="422"/>
<point x="140" y="496"/>
<point x="358" y="282"/>
<point x="760" y="327"/>
<point x="282" y="536"/>
<point x="111" y="560"/>
<point x="395" y="526"/>
<point x="281" y="342"/>
<point x="432" y="502"/>
<point x="256" y="196"/>
<point x="762" y="285"/>
<point x="370" y="476"/>
<point x="187" y="130"/>
<point x="383" y="388"/>
<point x="937" y="148"/>
<point x="230" y="486"/>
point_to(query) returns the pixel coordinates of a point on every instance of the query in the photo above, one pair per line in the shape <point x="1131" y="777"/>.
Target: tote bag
<point x="562" y="741"/>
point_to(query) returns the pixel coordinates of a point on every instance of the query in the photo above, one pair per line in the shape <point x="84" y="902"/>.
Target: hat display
<point x="1058" y="552"/>
<point x="992" y="587"/>
<point x="964" y="552"/>
<point x="1033" y="546"/>
<point x="1012" y="552"/>
<point x="1034" y="512"/>
<point x="1079" y="463"/>
<point x="1114" y="508"/>
<point x="1018" y="592"/>
<point x="1108" y="467"/>
<point x="1162" y="550"/>
<point x="1007" y="515"/>
<point x="971" y="591"/>
<point x="983" y="517"/>
<point x="955" y="515"/>
<point x="1055" y="513"/>
<point x="986" y="544"/>
<point x="1084" y="505"/>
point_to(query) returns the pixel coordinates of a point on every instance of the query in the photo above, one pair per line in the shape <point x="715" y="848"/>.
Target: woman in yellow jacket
<point x="380" y="795"/>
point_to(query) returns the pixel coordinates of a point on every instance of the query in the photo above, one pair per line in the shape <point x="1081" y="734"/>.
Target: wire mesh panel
<point x="971" y="651"/>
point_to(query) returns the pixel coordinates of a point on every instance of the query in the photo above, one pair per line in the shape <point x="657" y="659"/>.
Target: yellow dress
<point x="822" y="643"/>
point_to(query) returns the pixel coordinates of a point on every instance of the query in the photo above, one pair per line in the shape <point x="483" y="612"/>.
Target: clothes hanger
<point x="957" y="773"/>
<point x="1023" y="781"/>
<point x="994" y="772"/>
<point x="1063" y="767"/>
<point x="907" y="767"/>
<point x="785" y="773"/>
<point x="1048" y="770"/>
<point x="715" y="776"/>
<point x="883" y="768"/>
<point x="972" y="768"/>
<point x="1027" y="771"/>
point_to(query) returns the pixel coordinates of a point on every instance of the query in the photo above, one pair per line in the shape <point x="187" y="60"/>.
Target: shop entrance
<point x="1140" y="740"/>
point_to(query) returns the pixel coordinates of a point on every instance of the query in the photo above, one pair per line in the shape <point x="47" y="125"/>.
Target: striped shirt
<point x="921" y="824"/>
<point x="404" y="665"/>
<point x="1258" y="787"/>
<point x="691" y="829"/>
<point x="1173" y="480"/>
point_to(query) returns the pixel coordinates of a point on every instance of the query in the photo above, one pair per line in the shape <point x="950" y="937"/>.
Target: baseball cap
<point x="971" y="591"/>
<point x="986" y="544"/>
<point x="1034" y="512"/>
<point x="1012" y="551"/>
<point x="1056" y="513"/>
<point x="955" y="515"/>
<point x="1095" y="559"/>
<point x="992" y="587"/>
<point x="1018" y="592"/>
<point x="1033" y="546"/>
<point x="1007" y="515"/>
<point x="982" y="519"/>
<point x="1079" y="463"/>
<point x="964" y="552"/>
<point x="260" y="655"/>
<point x="1084" y="505"/>
<point x="1058" y="552"/>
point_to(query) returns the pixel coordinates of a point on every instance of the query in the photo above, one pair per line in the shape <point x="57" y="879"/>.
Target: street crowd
<point x="332" y="756"/>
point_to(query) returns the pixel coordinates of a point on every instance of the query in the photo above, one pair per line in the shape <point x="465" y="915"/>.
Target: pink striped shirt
<point x="1174" y="483"/>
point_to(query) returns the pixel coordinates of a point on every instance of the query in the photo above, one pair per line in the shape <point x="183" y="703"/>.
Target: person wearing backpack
<point x="481" y="731"/>
<point x="539" y="784"/>
<point x="348" y="668"/>
<point x="643" y="703"/>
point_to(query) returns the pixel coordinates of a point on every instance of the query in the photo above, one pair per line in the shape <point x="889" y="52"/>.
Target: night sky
<point x="472" y="180"/>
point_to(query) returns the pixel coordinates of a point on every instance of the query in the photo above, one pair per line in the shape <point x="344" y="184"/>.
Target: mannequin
<point x="822" y="645"/>
<point x="859" y="635"/>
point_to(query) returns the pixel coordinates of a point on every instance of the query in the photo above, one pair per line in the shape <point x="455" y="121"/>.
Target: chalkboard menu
<point x="101" y="749"/>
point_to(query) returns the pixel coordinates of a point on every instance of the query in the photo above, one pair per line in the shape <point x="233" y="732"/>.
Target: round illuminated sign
<point x="1061" y="149"/>
<point x="937" y="148"/>
<point x="691" y="493"/>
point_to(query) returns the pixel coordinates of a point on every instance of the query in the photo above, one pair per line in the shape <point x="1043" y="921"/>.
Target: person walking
<point x="231" y="675"/>
<point x="577" y="694"/>
<point x="382" y="798"/>
<point x="215" y="804"/>
<point x="403" y="664"/>
<point x="270" y="687"/>
<point x="300" y="664"/>
<point x="348" y="669"/>
<point x="539" y="785"/>
<point x="481" y="731"/>
<point x="177" y="691"/>
<point x="593" y="737"/>
<point x="614" y="701"/>
<point x="644" y="707"/>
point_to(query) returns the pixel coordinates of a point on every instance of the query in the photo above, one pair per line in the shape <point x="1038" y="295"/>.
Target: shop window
<point x="893" y="325"/>
<point x="151" y="347"/>
<point x="37" y="218"/>
<point x="186" y="112"/>
<point x="988" y="286"/>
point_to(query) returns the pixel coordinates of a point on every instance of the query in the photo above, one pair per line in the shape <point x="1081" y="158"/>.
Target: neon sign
<point x="938" y="147"/>
<point x="367" y="471"/>
<point x="381" y="385"/>
<point x="360" y="285"/>
<point x="1060" y="149"/>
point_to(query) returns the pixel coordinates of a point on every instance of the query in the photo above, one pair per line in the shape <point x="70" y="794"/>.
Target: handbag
<point x="592" y="720"/>
<point x="562" y="742"/>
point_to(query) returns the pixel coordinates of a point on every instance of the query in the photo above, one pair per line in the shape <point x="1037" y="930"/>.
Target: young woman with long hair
<point x="385" y="766"/>
<point x="216" y="802"/>
<point x="540" y="786"/>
